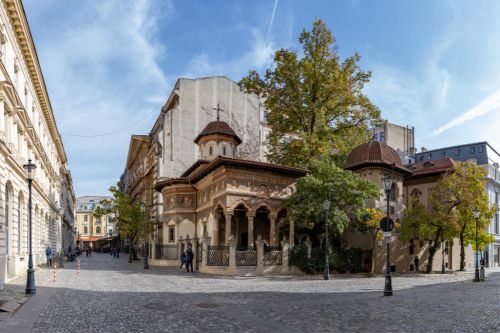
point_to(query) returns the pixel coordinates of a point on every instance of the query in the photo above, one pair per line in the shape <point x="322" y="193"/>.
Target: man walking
<point x="189" y="258"/>
<point x="48" y="253"/>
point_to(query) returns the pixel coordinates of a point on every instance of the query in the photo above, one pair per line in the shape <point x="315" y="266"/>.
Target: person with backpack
<point x="183" y="259"/>
<point x="189" y="259"/>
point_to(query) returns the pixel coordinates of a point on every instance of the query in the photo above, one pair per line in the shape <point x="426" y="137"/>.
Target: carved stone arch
<point x="261" y="203"/>
<point x="241" y="202"/>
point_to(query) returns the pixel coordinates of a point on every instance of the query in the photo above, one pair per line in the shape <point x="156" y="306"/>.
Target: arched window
<point x="98" y="230"/>
<point x="85" y="230"/>
<point x="210" y="150"/>
<point x="224" y="151"/>
<point x="393" y="192"/>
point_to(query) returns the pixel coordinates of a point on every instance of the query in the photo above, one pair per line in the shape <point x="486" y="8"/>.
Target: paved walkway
<point x="110" y="295"/>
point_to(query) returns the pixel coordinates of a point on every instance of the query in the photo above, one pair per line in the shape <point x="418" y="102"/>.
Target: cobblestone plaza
<point x="110" y="295"/>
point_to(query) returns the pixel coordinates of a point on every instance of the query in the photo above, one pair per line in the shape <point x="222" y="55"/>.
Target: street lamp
<point x="476" y="272"/>
<point x="388" y="280"/>
<point x="30" y="282"/>
<point x="326" y="207"/>
<point x="145" y="254"/>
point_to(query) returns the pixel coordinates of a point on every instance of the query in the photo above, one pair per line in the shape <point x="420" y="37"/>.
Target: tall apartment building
<point x="91" y="229"/>
<point x="28" y="130"/>
<point x="400" y="138"/>
<point x="169" y="149"/>
<point x="484" y="155"/>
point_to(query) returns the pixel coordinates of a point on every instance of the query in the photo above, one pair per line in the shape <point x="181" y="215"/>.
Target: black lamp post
<point x="144" y="252"/>
<point x="476" y="272"/>
<point x="388" y="279"/>
<point x="326" y="207"/>
<point x="443" y="252"/>
<point x="30" y="282"/>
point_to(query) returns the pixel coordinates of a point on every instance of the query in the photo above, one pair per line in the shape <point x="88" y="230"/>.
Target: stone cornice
<point x="15" y="11"/>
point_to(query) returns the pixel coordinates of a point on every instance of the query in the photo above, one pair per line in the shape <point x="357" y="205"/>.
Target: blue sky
<point x="110" y="65"/>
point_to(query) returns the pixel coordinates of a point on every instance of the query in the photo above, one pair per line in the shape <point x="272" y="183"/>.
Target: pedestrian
<point x="183" y="259"/>
<point x="90" y="251"/>
<point x="189" y="259"/>
<point x="48" y="253"/>
<point x="416" y="261"/>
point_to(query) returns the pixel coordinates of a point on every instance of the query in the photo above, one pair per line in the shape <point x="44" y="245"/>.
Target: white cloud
<point x="102" y="70"/>
<point x="488" y="104"/>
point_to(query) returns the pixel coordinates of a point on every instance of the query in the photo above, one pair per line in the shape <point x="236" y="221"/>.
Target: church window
<point x="210" y="150"/>
<point x="171" y="234"/>
<point x="224" y="150"/>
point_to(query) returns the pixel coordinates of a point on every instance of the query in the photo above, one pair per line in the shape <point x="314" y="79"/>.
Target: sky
<point x="110" y="65"/>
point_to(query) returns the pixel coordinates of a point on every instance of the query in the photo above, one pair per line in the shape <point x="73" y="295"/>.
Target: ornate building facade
<point x="91" y="229"/>
<point x="28" y="130"/>
<point x="372" y="161"/>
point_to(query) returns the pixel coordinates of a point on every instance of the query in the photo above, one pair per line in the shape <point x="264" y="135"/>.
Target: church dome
<point x="374" y="153"/>
<point x="217" y="127"/>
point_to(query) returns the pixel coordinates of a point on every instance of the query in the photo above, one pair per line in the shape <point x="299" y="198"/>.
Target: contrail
<point x="490" y="103"/>
<point x="272" y="20"/>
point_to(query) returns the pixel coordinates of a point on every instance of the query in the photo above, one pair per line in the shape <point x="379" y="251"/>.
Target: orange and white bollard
<point x="54" y="275"/>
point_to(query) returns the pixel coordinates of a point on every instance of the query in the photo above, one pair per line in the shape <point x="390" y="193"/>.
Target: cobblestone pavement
<point x="110" y="295"/>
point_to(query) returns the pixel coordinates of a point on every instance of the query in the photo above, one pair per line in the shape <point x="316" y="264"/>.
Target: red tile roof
<point x="431" y="167"/>
<point x="374" y="153"/>
<point x="217" y="127"/>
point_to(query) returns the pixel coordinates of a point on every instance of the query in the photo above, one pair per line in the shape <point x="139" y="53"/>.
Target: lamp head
<point x="326" y="204"/>
<point x="30" y="168"/>
<point x="477" y="212"/>
<point x="388" y="181"/>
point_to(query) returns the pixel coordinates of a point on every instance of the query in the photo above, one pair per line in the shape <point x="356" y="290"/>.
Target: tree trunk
<point x="131" y="251"/>
<point x="433" y="249"/>
<point x="462" y="250"/>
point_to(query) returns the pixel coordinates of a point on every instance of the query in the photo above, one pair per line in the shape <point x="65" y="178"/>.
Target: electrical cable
<point x="112" y="132"/>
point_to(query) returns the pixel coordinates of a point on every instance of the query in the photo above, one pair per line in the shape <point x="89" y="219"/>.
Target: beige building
<point x="400" y="138"/>
<point x="91" y="229"/>
<point x="28" y="130"/>
<point x="412" y="181"/>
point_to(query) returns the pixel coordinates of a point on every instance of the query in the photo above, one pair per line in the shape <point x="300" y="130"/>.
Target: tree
<point x="464" y="188"/>
<point x="316" y="104"/>
<point x="450" y="213"/>
<point x="372" y="226"/>
<point x="132" y="221"/>
<point x="348" y="193"/>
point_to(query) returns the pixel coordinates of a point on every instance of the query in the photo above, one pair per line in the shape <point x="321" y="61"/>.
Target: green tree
<point x="132" y="221"/>
<point x="464" y="188"/>
<point x="348" y="192"/>
<point x="372" y="226"/>
<point x="316" y="101"/>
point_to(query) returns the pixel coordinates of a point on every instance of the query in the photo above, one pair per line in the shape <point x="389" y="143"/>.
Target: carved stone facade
<point x="28" y="131"/>
<point x="223" y="198"/>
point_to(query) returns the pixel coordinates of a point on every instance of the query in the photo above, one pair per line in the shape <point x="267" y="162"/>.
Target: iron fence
<point x="218" y="256"/>
<point x="166" y="252"/>
<point x="246" y="258"/>
<point x="272" y="256"/>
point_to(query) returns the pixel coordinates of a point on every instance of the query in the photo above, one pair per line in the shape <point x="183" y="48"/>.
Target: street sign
<point x="387" y="234"/>
<point x="386" y="224"/>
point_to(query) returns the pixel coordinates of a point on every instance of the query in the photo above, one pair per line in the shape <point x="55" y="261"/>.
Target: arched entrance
<point x="220" y="230"/>
<point x="240" y="227"/>
<point x="262" y="224"/>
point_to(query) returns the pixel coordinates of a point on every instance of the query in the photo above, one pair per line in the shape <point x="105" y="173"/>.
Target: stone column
<point x="260" y="255"/>
<point x="250" y="218"/>
<point x="291" y="232"/>
<point x="205" y="242"/>
<point x="2" y="121"/>
<point x="309" y="247"/>
<point x="228" y="216"/>
<point x="284" y="255"/>
<point x="215" y="231"/>
<point x="273" y="240"/>
<point x="232" y="255"/>
<point x="195" y="252"/>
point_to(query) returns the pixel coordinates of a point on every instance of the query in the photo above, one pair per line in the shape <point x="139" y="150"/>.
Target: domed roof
<point x="374" y="153"/>
<point x="217" y="127"/>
